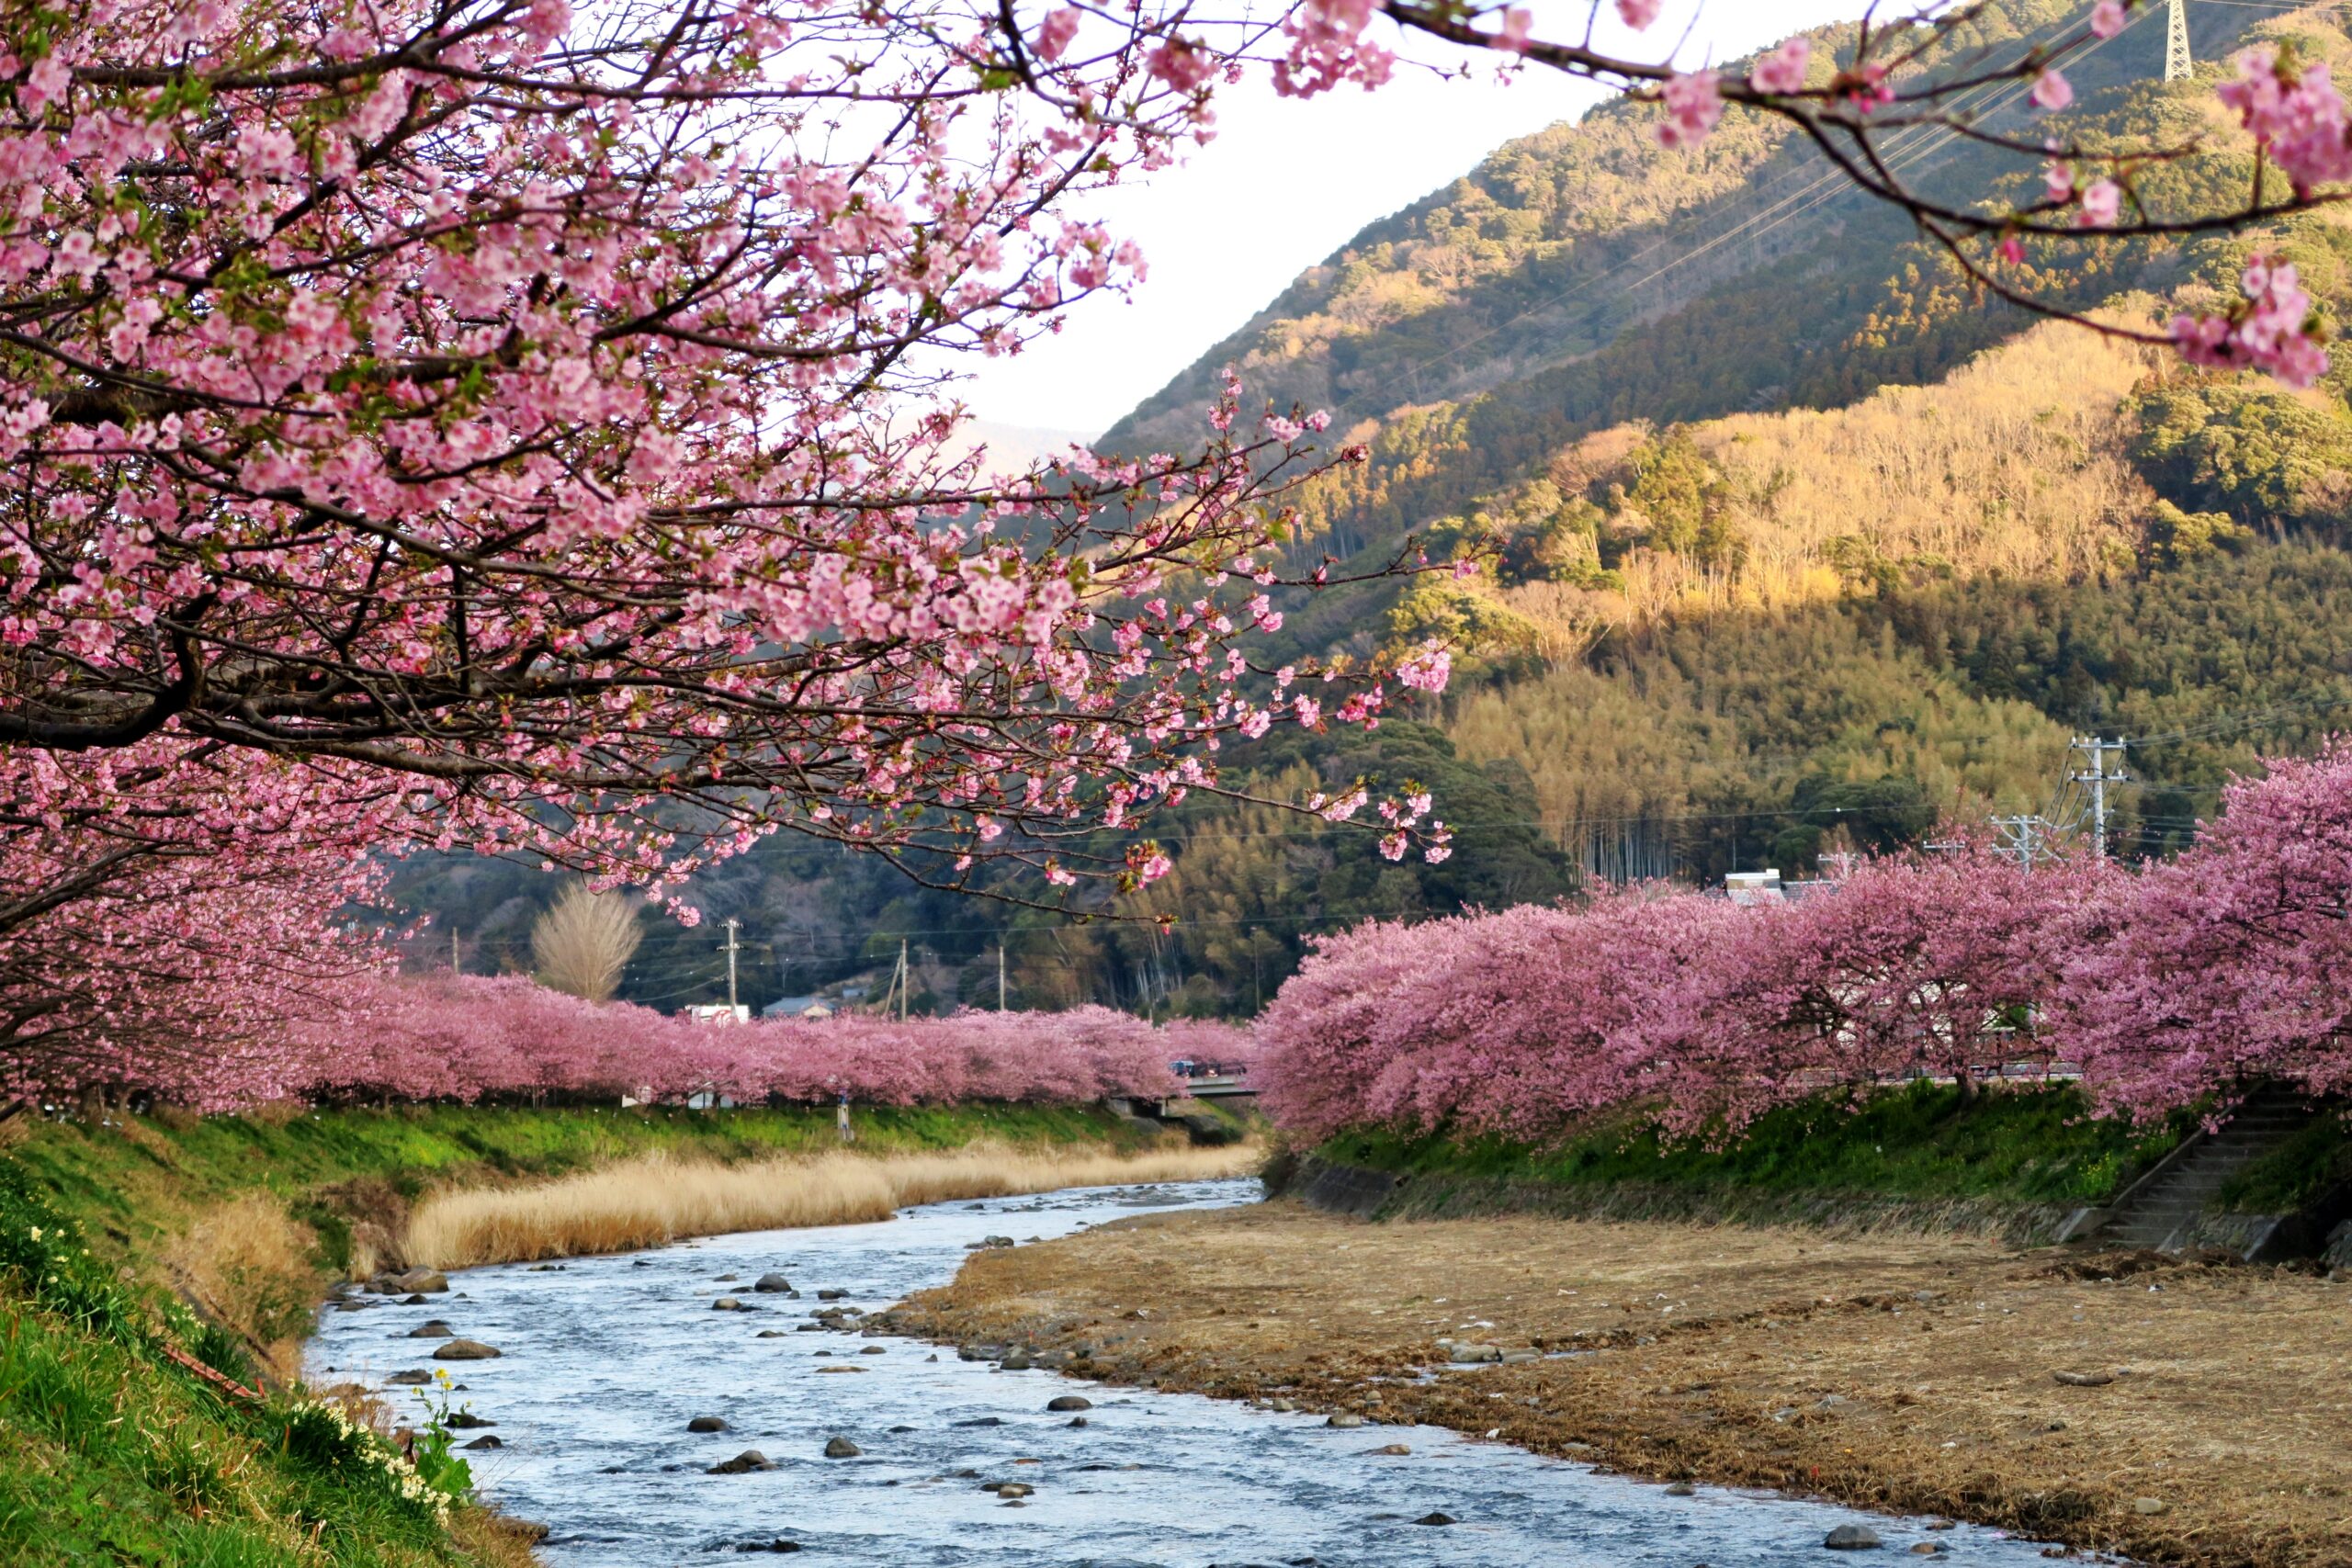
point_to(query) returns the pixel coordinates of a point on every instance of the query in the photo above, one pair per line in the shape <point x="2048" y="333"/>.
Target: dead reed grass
<point x="248" y="1265"/>
<point x="648" y="1201"/>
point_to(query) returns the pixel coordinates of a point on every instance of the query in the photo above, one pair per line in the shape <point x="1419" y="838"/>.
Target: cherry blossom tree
<point x="545" y="411"/>
<point x="161" y="952"/>
<point x="1931" y="964"/>
<point x="2224" y="968"/>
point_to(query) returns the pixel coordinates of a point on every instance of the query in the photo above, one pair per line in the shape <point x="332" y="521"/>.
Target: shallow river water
<point x="607" y="1359"/>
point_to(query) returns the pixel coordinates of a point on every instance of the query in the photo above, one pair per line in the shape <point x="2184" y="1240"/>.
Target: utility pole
<point x="2179" y="66"/>
<point x="905" y="980"/>
<point x="457" y="966"/>
<point x="1000" y="974"/>
<point x="732" y="924"/>
<point x="2098" y="778"/>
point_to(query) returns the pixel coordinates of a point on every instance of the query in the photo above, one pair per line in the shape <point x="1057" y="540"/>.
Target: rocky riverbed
<point x="2179" y="1412"/>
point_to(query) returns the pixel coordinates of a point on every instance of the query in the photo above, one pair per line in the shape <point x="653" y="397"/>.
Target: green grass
<point x="136" y="1184"/>
<point x="1920" y="1143"/>
<point x="2299" y="1174"/>
<point x="110" y="1453"/>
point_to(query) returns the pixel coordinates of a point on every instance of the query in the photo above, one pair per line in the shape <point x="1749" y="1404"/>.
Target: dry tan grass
<point x="648" y="1201"/>
<point x="248" y="1265"/>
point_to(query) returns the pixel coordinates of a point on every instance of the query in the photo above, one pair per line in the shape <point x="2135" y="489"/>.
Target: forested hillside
<point x="1783" y="541"/>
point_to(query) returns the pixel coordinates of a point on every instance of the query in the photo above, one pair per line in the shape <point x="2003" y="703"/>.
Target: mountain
<point x="1787" y="543"/>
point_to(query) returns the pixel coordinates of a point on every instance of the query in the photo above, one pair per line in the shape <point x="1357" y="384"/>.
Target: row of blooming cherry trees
<point x="2191" y="978"/>
<point x="509" y="1039"/>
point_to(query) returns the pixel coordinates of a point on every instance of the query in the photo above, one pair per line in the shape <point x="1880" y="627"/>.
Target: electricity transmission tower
<point x="2177" y="65"/>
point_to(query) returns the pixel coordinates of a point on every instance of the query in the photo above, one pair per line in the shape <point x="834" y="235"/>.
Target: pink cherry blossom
<point x="2297" y="117"/>
<point x="2272" y="328"/>
<point x="2108" y="18"/>
<point x="1782" y="71"/>
<point x="2052" y="91"/>
<point x="1693" y="104"/>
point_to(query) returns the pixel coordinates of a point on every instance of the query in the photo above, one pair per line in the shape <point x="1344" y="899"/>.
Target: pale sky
<point x="1283" y="185"/>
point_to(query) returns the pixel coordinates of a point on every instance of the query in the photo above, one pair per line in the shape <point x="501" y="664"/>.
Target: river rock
<point x="1008" y="1490"/>
<point x="436" y="1329"/>
<point x="705" y="1423"/>
<point x="772" y="1284"/>
<point x="487" y="1441"/>
<point x="1069" y="1402"/>
<point x="1470" y="1355"/>
<point x="425" y="1280"/>
<point x="2085" y="1379"/>
<point x="414" y="1299"/>
<point x="832" y="1295"/>
<point x="467" y="1351"/>
<point x="1344" y="1419"/>
<point x="727" y="1304"/>
<point x="1076" y="1421"/>
<point x="1927" y="1548"/>
<point x="779" y="1544"/>
<point x="1437" y="1519"/>
<point x="1852" y="1537"/>
<point x="1017" y="1361"/>
<point x="412" y="1377"/>
<point x="873" y="1351"/>
<point x="725" y="1279"/>
<point x="842" y="1448"/>
<point x="1397" y="1451"/>
<point x="772" y="1334"/>
<point x="2148" y="1507"/>
<point x="1680" y="1489"/>
<point x="465" y="1421"/>
<point x="743" y="1463"/>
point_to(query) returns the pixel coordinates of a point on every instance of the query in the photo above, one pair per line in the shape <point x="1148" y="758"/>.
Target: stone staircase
<point x="2164" y="1209"/>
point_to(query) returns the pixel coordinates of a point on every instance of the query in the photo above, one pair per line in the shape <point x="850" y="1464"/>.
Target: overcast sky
<point x="1283" y="185"/>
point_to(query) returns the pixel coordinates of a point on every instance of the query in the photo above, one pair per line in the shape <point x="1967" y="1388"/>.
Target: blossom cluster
<point x="2191" y="978"/>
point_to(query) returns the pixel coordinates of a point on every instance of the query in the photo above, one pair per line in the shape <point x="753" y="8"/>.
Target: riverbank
<point x="252" y="1216"/>
<point x="215" y="1238"/>
<point x="2013" y="1162"/>
<point x="2204" y="1423"/>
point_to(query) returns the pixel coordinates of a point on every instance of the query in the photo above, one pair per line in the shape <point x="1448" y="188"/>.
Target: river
<point x="606" y="1359"/>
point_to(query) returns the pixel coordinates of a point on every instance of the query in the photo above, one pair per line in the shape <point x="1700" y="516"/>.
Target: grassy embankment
<point x="112" y="1453"/>
<point x="2011" y="1160"/>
